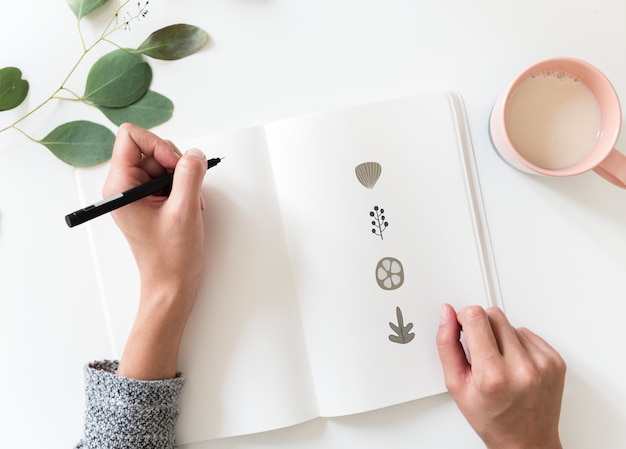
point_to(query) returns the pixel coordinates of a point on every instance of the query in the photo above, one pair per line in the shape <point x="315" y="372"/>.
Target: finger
<point x="506" y="336"/>
<point x="538" y="343"/>
<point x="134" y="145"/>
<point x="539" y="349"/>
<point x="451" y="354"/>
<point x="174" y="147"/>
<point x="152" y="167"/>
<point x="481" y="341"/>
<point x="188" y="177"/>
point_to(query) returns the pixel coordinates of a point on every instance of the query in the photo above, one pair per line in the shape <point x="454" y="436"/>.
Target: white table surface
<point x="559" y="244"/>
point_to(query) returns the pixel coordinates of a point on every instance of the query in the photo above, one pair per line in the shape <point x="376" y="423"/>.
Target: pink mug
<point x="560" y="117"/>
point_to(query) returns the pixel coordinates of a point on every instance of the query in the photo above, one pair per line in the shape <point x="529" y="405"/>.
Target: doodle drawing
<point x="368" y="173"/>
<point x="403" y="332"/>
<point x="379" y="222"/>
<point x="389" y="273"/>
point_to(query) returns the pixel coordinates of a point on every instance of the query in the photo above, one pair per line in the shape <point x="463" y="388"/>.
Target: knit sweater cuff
<point x="126" y="413"/>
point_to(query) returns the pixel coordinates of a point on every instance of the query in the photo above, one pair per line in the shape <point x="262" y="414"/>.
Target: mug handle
<point x="613" y="168"/>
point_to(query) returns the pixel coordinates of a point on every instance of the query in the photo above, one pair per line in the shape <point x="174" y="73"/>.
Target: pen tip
<point x="213" y="162"/>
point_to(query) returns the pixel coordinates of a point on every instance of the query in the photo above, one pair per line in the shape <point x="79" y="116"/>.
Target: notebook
<point x="331" y="241"/>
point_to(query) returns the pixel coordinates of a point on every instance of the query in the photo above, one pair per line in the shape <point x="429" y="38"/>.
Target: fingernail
<point x="194" y="152"/>
<point x="443" y="314"/>
<point x="174" y="148"/>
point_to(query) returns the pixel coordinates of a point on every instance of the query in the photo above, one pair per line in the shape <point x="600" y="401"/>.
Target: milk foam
<point x="553" y="120"/>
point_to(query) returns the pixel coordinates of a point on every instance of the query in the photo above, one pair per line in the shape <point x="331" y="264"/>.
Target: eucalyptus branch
<point x="86" y="50"/>
<point x="118" y="84"/>
<point x="31" y="112"/>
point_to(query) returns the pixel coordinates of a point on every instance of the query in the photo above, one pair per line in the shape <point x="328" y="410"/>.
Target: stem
<point x="47" y="100"/>
<point x="112" y="43"/>
<point x="108" y="32"/>
<point x="23" y="133"/>
<point x="76" y="96"/>
<point x="31" y="112"/>
<point x="80" y="33"/>
<point x="379" y="224"/>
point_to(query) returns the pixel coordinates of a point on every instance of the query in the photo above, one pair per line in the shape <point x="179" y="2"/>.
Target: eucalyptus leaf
<point x="83" y="7"/>
<point x="117" y="79"/>
<point x="80" y="143"/>
<point x="149" y="111"/>
<point x="13" y="89"/>
<point x="174" y="42"/>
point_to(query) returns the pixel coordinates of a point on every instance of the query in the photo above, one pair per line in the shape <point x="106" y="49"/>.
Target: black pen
<point x="162" y="184"/>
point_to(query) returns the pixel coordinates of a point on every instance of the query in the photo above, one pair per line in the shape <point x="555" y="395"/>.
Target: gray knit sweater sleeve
<point x="124" y="413"/>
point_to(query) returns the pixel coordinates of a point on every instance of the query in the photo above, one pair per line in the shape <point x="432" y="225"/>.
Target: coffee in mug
<point x="560" y="117"/>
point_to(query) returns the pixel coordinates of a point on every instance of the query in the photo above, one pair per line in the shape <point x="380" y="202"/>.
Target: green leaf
<point x="174" y="42"/>
<point x="83" y="7"/>
<point x="149" y="111"/>
<point x="13" y="89"/>
<point x="117" y="79"/>
<point x="80" y="143"/>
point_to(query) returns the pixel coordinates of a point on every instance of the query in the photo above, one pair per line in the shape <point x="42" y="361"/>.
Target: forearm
<point x="151" y="350"/>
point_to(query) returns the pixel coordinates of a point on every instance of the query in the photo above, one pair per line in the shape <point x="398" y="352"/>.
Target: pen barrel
<point x="161" y="185"/>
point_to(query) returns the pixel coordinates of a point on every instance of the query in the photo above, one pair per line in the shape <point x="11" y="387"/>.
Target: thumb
<point x="451" y="353"/>
<point x="188" y="176"/>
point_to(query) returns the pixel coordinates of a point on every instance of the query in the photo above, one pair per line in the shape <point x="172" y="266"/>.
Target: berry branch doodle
<point x="379" y="222"/>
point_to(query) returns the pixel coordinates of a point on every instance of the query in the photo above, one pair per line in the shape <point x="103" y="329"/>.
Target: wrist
<point x="552" y="443"/>
<point x="168" y="304"/>
<point x="151" y="350"/>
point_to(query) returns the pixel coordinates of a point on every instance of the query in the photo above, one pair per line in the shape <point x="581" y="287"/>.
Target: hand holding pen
<point x="157" y="186"/>
<point x="166" y="236"/>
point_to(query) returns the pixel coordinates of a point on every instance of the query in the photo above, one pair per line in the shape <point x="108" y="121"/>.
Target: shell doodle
<point x="368" y="173"/>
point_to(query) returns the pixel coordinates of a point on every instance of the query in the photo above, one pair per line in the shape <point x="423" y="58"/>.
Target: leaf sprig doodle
<point x="403" y="333"/>
<point x="118" y="84"/>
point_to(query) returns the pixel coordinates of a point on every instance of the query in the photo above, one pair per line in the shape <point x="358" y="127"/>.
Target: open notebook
<point x="331" y="241"/>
